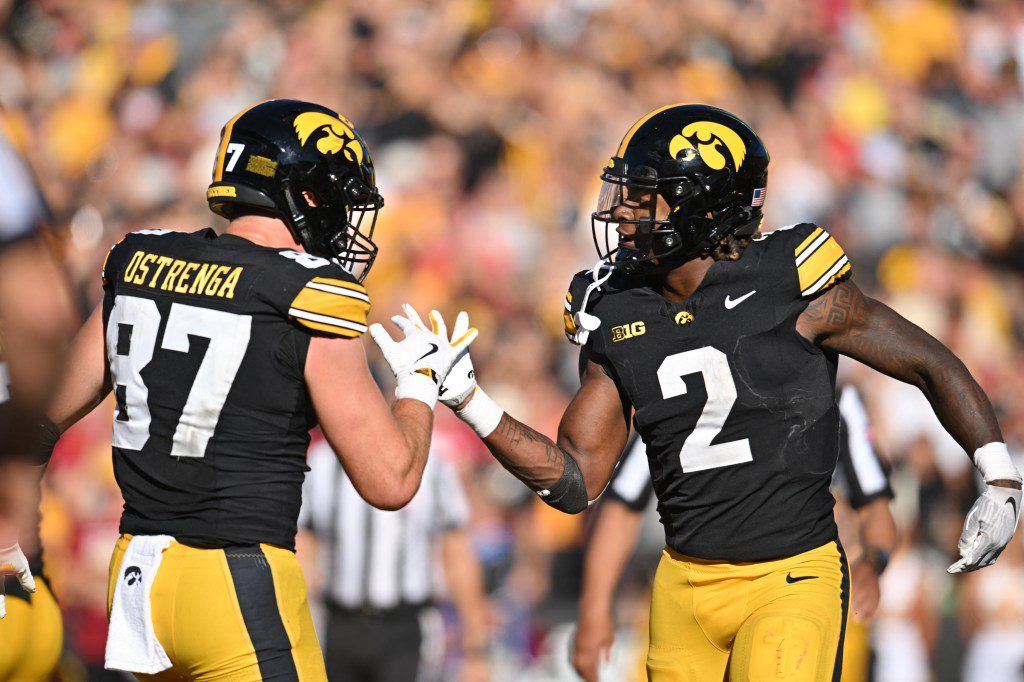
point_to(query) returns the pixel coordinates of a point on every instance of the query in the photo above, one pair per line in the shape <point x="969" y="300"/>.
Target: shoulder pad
<point x="324" y="297"/>
<point x="585" y="290"/>
<point x="820" y="262"/>
<point x="117" y="254"/>
<point x="573" y="300"/>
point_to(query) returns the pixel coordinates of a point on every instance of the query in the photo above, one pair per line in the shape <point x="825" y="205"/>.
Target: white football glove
<point x="422" y="360"/>
<point x="461" y="380"/>
<point x="13" y="562"/>
<point x="989" y="527"/>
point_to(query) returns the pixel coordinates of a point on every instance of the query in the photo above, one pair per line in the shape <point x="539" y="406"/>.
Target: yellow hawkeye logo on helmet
<point x="338" y="134"/>
<point x="707" y="138"/>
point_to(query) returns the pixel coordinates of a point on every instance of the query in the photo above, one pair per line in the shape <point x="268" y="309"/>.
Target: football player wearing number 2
<point x="721" y="346"/>
<point x="222" y="352"/>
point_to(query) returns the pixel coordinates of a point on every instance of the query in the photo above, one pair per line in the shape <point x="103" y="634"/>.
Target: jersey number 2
<point x="131" y="341"/>
<point x="698" y="453"/>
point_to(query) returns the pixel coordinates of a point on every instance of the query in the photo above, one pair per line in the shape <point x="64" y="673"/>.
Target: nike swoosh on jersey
<point x="731" y="303"/>
<point x="433" y="349"/>
<point x="790" y="579"/>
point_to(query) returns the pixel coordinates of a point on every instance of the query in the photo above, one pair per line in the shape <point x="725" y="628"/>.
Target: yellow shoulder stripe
<point x="570" y="325"/>
<point x="821" y="262"/>
<point x="331" y="307"/>
<point x="323" y="303"/>
<point x="807" y="242"/>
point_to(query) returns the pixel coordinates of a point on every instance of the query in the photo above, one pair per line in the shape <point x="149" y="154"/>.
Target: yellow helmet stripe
<point x="218" y="169"/>
<point x="636" y="126"/>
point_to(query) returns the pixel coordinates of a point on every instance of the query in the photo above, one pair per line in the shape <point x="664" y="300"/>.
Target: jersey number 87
<point x="132" y="330"/>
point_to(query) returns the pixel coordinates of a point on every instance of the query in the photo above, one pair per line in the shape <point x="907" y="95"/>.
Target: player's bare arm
<point x="85" y="381"/>
<point x="592" y="433"/>
<point x="846" y="321"/>
<point x="567" y="472"/>
<point x="357" y="421"/>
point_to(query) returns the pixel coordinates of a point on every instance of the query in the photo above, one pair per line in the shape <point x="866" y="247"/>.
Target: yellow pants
<point x="234" y="614"/>
<point x="856" y="651"/>
<point x="771" y="620"/>
<point x="31" y="636"/>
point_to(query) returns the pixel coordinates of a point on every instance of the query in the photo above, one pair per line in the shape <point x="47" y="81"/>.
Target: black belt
<point x="404" y="609"/>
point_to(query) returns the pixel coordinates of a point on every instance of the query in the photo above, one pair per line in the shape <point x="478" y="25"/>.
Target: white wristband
<point x="417" y="387"/>
<point x="481" y="413"/>
<point x="994" y="463"/>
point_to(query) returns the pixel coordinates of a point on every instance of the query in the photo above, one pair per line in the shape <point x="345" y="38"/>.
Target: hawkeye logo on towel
<point x="709" y="140"/>
<point x="628" y="331"/>
<point x="338" y="134"/>
<point x="132" y="575"/>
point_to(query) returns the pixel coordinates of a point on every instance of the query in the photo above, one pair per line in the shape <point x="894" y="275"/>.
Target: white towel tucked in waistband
<point x="132" y="645"/>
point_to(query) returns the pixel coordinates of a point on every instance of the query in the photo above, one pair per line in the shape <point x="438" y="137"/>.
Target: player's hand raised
<point x="461" y="380"/>
<point x="13" y="562"/>
<point x="423" y="359"/>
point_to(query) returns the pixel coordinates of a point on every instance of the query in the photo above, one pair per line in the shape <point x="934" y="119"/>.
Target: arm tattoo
<point x="846" y="321"/>
<point x="529" y="455"/>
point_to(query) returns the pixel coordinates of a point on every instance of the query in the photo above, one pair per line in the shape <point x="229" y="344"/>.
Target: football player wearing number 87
<point x="720" y="344"/>
<point x="221" y="352"/>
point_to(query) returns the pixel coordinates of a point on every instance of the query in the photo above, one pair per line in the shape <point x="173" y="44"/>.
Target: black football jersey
<point x="737" y="410"/>
<point x="206" y="340"/>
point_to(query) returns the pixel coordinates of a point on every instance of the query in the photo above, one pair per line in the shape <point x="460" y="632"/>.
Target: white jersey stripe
<point x="326" y="319"/>
<point x="341" y="291"/>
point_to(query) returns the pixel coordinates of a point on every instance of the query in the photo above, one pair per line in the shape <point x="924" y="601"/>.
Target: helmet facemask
<point x="336" y="219"/>
<point x="691" y="228"/>
<point x="656" y="240"/>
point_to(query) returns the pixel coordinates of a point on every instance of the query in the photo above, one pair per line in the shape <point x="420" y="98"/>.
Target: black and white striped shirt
<point x="379" y="559"/>
<point x="860" y="476"/>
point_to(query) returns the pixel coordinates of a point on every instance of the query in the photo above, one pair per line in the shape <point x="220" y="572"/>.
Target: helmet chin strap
<point x="297" y="219"/>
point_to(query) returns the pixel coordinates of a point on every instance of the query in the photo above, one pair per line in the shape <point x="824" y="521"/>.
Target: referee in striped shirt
<point x="379" y="584"/>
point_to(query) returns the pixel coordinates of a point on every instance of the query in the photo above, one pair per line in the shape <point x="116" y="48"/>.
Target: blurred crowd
<point x="898" y="124"/>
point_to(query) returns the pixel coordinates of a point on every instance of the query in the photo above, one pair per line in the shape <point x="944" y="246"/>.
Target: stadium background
<point x="898" y="124"/>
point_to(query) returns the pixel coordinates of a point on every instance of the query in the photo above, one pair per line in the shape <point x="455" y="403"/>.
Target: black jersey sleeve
<point x="860" y="473"/>
<point x="574" y="299"/>
<point x="631" y="483"/>
<point x="127" y="254"/>
<point x="317" y="294"/>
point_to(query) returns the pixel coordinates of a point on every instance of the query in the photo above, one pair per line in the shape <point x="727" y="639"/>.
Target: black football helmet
<point x="711" y="170"/>
<point x="273" y="153"/>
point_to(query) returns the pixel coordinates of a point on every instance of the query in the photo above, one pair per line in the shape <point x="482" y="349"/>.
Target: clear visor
<point x="626" y="212"/>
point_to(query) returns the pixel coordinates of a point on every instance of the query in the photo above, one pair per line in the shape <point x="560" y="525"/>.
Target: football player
<point x="222" y="351"/>
<point x="860" y="479"/>
<point x="31" y="349"/>
<point x="721" y="346"/>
